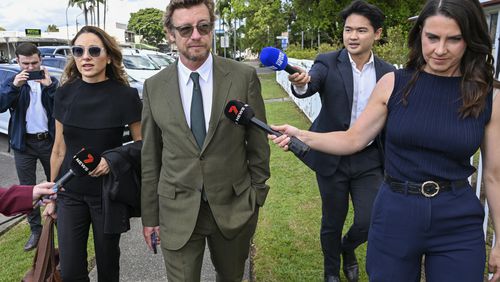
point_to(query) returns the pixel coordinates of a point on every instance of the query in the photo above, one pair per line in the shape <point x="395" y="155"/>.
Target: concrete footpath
<point x="139" y="264"/>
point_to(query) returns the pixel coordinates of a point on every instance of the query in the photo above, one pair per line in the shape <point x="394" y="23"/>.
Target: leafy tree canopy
<point x="148" y="23"/>
<point x="52" y="28"/>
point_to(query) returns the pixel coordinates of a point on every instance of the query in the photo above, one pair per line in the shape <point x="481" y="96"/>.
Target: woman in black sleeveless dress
<point x="92" y="108"/>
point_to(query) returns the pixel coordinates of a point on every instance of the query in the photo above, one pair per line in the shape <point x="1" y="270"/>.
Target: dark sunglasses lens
<point x="77" y="51"/>
<point x="185" y="31"/>
<point x="204" y="29"/>
<point x="95" y="51"/>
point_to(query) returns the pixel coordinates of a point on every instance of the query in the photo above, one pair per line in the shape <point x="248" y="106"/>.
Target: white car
<point x="139" y="67"/>
<point x="55" y="50"/>
<point x="6" y="72"/>
<point x="161" y="59"/>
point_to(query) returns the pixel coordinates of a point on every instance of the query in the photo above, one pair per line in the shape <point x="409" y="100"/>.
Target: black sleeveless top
<point x="93" y="117"/>
<point x="427" y="139"/>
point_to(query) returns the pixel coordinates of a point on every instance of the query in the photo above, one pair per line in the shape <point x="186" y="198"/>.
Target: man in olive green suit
<point x="203" y="177"/>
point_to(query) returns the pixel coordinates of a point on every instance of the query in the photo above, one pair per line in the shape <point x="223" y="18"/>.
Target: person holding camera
<point x="29" y="96"/>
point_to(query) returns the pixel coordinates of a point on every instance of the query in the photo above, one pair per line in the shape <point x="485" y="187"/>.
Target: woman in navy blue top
<point x="437" y="112"/>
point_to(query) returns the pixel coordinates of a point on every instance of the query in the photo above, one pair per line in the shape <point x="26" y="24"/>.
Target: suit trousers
<point x="358" y="175"/>
<point x="26" y="171"/>
<point x="75" y="214"/>
<point x="228" y="255"/>
<point x="446" y="231"/>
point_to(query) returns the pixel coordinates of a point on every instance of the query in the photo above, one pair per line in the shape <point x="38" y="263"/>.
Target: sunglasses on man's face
<point x="187" y="30"/>
<point x="94" y="51"/>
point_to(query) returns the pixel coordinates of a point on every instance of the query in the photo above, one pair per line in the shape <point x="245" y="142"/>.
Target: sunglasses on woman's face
<point x="93" y="51"/>
<point x="186" y="30"/>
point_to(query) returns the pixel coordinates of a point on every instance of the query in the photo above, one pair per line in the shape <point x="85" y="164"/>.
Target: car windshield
<point x="161" y="60"/>
<point x="46" y="50"/>
<point x="138" y="63"/>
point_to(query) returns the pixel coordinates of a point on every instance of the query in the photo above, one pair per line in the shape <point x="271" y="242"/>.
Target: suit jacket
<point x="331" y="76"/>
<point x="232" y="166"/>
<point x="16" y="199"/>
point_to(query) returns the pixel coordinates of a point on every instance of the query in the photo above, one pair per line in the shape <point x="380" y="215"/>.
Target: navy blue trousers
<point x="444" y="231"/>
<point x="358" y="176"/>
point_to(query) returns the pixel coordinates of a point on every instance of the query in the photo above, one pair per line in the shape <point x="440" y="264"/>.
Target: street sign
<point x="33" y="32"/>
<point x="224" y="41"/>
<point x="219" y="31"/>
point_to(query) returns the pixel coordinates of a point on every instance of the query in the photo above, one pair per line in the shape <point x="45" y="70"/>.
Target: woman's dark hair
<point x="114" y="70"/>
<point x="476" y="65"/>
<point x="371" y="12"/>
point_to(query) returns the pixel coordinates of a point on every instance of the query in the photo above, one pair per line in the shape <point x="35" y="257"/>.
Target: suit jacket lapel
<point x="174" y="102"/>
<point x="221" y="85"/>
<point x="345" y="69"/>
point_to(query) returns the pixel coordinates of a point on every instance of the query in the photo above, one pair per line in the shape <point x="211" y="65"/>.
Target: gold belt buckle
<point x="427" y="183"/>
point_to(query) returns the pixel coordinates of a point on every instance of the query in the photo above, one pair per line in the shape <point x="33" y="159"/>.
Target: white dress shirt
<point x="206" y="85"/>
<point x="36" y="116"/>
<point x="363" y="83"/>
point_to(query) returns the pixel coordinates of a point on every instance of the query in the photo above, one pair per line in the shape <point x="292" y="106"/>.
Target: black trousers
<point x="26" y="171"/>
<point x="358" y="175"/>
<point x="75" y="214"/>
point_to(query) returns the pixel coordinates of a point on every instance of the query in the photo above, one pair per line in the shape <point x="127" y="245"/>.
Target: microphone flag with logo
<point x="82" y="164"/>
<point x="276" y="60"/>
<point x="242" y="114"/>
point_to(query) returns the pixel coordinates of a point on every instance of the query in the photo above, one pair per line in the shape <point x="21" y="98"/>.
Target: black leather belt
<point x="428" y="188"/>
<point x="38" y="136"/>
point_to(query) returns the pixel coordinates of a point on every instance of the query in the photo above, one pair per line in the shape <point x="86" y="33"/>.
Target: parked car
<point x="138" y="66"/>
<point x="56" y="61"/>
<point x="55" y="50"/>
<point x="161" y="59"/>
<point x="6" y="72"/>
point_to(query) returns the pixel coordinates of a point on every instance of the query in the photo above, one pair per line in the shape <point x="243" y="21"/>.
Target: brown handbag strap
<point x="44" y="257"/>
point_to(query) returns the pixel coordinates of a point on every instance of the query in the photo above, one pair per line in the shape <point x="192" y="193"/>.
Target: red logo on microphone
<point x="233" y="109"/>
<point x="89" y="159"/>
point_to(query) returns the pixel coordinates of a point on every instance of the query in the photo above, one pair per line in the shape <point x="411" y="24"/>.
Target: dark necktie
<point x="197" y="113"/>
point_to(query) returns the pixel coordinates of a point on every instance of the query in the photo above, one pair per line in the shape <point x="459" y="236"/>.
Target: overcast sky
<point x="17" y="15"/>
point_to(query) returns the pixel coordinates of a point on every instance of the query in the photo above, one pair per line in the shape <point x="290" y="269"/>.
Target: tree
<point x="148" y="23"/>
<point x="2" y="29"/>
<point x="263" y="21"/>
<point x="52" y="28"/>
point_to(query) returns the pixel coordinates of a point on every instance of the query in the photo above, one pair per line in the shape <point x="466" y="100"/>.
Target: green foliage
<point x="303" y="19"/>
<point x="294" y="51"/>
<point x="395" y="50"/>
<point x="2" y="29"/>
<point x="52" y="28"/>
<point x="148" y="23"/>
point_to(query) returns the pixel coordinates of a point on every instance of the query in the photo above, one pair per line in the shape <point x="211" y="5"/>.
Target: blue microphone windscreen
<point x="274" y="58"/>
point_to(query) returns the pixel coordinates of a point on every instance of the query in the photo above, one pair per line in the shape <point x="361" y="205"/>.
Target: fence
<point x="311" y="107"/>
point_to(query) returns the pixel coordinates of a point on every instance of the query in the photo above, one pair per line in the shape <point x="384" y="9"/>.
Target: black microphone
<point x="241" y="113"/>
<point x="276" y="60"/>
<point x="82" y="164"/>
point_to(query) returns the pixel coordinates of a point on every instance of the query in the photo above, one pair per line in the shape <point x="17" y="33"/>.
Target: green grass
<point x="287" y="237"/>
<point x="14" y="260"/>
<point x="270" y="89"/>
